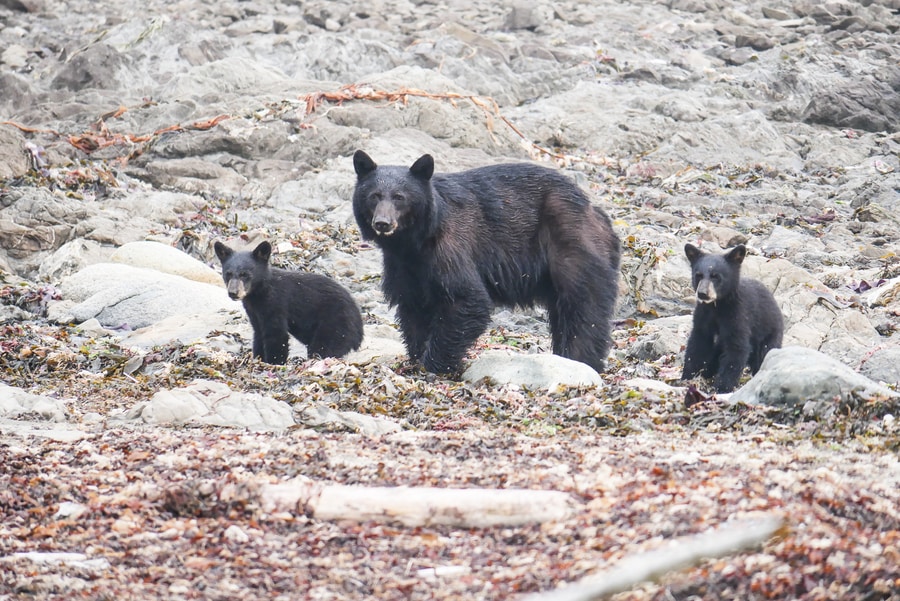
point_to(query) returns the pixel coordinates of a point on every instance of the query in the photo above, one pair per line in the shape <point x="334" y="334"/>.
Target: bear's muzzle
<point x="384" y="220"/>
<point x="236" y="289"/>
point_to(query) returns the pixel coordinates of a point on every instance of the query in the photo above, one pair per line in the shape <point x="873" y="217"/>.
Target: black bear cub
<point x="456" y="244"/>
<point x="313" y="308"/>
<point x="736" y="320"/>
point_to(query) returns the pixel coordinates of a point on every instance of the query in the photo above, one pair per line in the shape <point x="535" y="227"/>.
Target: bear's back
<point x="495" y="186"/>
<point x="503" y="206"/>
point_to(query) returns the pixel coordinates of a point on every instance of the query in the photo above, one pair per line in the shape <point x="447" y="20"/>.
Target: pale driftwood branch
<point x="680" y="553"/>
<point x="412" y="506"/>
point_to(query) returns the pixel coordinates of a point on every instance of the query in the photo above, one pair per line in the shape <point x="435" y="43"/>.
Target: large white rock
<point x="122" y="296"/>
<point x="531" y="371"/>
<point x="167" y="259"/>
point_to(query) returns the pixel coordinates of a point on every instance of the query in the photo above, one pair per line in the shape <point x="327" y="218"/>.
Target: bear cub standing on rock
<point x="456" y="244"/>
<point x="736" y="320"/>
<point x="315" y="309"/>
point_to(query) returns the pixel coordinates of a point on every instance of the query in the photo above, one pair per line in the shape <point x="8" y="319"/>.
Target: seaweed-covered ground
<point x="137" y="503"/>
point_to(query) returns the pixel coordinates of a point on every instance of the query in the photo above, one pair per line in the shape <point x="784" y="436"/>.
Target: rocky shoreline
<point x="134" y="136"/>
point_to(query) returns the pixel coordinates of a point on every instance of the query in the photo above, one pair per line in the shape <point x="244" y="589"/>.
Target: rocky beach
<point x="140" y="443"/>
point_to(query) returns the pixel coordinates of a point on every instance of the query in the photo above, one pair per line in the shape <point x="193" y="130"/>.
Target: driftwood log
<point x="679" y="553"/>
<point x="414" y="506"/>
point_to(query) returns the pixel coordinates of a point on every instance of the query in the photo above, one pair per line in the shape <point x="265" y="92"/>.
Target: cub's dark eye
<point x="399" y="197"/>
<point x="375" y="197"/>
<point x="245" y="275"/>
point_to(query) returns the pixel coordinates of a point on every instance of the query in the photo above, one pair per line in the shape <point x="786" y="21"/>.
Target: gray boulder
<point x="13" y="154"/>
<point x="883" y="366"/>
<point x="800" y="377"/>
<point x="97" y="66"/>
<point x="16" y="403"/>
<point x="71" y="257"/>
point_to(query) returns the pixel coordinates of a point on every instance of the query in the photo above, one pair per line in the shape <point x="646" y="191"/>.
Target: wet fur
<point x="737" y="328"/>
<point x="512" y="235"/>
<point x="313" y="308"/>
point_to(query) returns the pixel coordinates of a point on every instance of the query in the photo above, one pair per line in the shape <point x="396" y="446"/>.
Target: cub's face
<point x="390" y="199"/>
<point x="243" y="272"/>
<point x="714" y="276"/>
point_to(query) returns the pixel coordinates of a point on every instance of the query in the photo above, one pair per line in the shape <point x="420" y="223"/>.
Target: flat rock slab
<point x="230" y="327"/>
<point x="320" y="416"/>
<point x="204" y="402"/>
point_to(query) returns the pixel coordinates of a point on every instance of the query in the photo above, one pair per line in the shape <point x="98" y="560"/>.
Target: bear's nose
<point x="702" y="295"/>
<point x="382" y="225"/>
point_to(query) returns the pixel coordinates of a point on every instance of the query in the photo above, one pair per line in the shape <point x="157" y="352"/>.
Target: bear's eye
<point x="375" y="197"/>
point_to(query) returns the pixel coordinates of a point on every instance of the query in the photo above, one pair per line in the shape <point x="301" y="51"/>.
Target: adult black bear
<point x="736" y="320"/>
<point x="456" y="244"/>
<point x="313" y="308"/>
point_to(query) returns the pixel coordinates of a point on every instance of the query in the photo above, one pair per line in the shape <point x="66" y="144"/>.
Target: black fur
<point x="456" y="244"/>
<point x="736" y="320"/>
<point x="313" y="308"/>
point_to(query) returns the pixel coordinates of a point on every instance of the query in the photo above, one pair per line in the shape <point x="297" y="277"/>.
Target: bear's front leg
<point x="257" y="344"/>
<point x="732" y="361"/>
<point x="273" y="339"/>
<point x="414" y="326"/>
<point x="454" y="329"/>
<point x="699" y="355"/>
<point x="257" y="325"/>
<point x="276" y="345"/>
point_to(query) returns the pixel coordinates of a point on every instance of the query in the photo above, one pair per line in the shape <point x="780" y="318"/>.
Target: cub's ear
<point x="262" y="252"/>
<point x="363" y="164"/>
<point x="423" y="168"/>
<point x="222" y="251"/>
<point x="736" y="255"/>
<point x="692" y="252"/>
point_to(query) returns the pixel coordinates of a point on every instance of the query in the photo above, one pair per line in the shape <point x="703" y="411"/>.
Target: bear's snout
<point x="383" y="226"/>
<point x="236" y="289"/>
<point x="384" y="221"/>
<point x="706" y="292"/>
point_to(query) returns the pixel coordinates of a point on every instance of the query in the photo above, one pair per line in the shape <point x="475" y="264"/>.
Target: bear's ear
<point x="423" y="168"/>
<point x="262" y="252"/>
<point x="736" y="255"/>
<point x="363" y="164"/>
<point x="222" y="251"/>
<point x="692" y="252"/>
